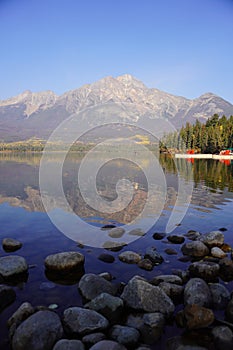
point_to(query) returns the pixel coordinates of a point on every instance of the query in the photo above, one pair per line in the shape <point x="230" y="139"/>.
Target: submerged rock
<point x="12" y="266"/>
<point x="78" y="321"/>
<point x="129" y="257"/>
<point x="7" y="296"/>
<point x="116" y="232"/>
<point x="142" y="296"/>
<point x="195" y="249"/>
<point x="91" y="285"/>
<point x="176" y="239"/>
<point x="11" y="244"/>
<point x="38" y="332"/>
<point x="108" y="258"/>
<point x="64" y="262"/>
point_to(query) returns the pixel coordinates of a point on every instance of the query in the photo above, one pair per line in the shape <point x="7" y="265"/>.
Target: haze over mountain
<point x="38" y="114"/>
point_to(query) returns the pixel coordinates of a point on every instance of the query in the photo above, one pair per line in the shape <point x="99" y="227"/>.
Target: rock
<point x="142" y="296"/>
<point x="174" y="291"/>
<point x="125" y="335"/>
<point x="21" y="314"/>
<point x="195" y="249"/>
<point x="150" y="325"/>
<point x="183" y="343"/>
<point x="91" y="285"/>
<point x="223" y="338"/>
<point x="114" y="246"/>
<point x="129" y="257"/>
<point x="159" y="235"/>
<point x="108" y="345"/>
<point x="229" y="311"/>
<point x="220" y="296"/>
<point x="143" y="347"/>
<point x="226" y="269"/>
<point x="38" y="332"/>
<point x="107" y="276"/>
<point x="65" y="262"/>
<point x="197" y="292"/>
<point x="184" y="275"/>
<point x="65" y="344"/>
<point x="226" y="248"/>
<point x="79" y="322"/>
<point x="213" y="239"/>
<point x="108" y="227"/>
<point x="166" y="278"/>
<point x="170" y="251"/>
<point x="11" y="244"/>
<point x="176" y="239"/>
<point x="12" y="267"/>
<point x="116" y="232"/>
<point x="108" y="258"/>
<point x="206" y="270"/>
<point x="216" y="252"/>
<point x="153" y="256"/>
<point x="137" y="232"/>
<point x="7" y="296"/>
<point x="109" y="306"/>
<point x="145" y="264"/>
<point x="198" y="316"/>
<point x="91" y="339"/>
<point x="193" y="235"/>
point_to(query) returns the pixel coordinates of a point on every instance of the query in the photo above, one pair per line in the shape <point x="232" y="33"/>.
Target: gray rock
<point x="193" y="235"/>
<point x="91" y="285"/>
<point x="217" y="252"/>
<point x="11" y="244"/>
<point x="174" y="291"/>
<point x="22" y="313"/>
<point x="153" y="256"/>
<point x="114" y="246"/>
<point x="109" y="306"/>
<point x="125" y="335"/>
<point x="141" y="295"/>
<point x="176" y="239"/>
<point x="220" y="296"/>
<point x="38" y="332"/>
<point x="7" y="296"/>
<point x="213" y="239"/>
<point x="65" y="344"/>
<point x="197" y="292"/>
<point x="108" y="345"/>
<point x="137" y="232"/>
<point x="195" y="249"/>
<point x="116" y="232"/>
<point x="129" y="257"/>
<point x="106" y="275"/>
<point x="146" y="264"/>
<point x="150" y="325"/>
<point x="79" y="321"/>
<point x="91" y="339"/>
<point x="223" y="338"/>
<point x="64" y="262"/>
<point x="12" y="266"/>
<point x="166" y="278"/>
<point x="208" y="271"/>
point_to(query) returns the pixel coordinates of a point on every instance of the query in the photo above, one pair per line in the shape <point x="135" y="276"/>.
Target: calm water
<point x="22" y="216"/>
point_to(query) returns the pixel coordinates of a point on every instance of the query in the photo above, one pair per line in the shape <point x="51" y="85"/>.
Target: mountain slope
<point x="38" y="114"/>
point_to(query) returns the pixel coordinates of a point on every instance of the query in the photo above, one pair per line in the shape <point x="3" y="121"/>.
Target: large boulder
<point x="38" y="332"/>
<point x="79" y="322"/>
<point x="206" y="270"/>
<point x="213" y="239"/>
<point x="142" y="296"/>
<point x="197" y="292"/>
<point x="195" y="249"/>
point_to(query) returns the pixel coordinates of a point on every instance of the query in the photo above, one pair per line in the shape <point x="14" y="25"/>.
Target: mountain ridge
<point x="36" y="114"/>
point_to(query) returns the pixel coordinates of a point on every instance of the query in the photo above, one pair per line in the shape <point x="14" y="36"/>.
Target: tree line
<point x="210" y="137"/>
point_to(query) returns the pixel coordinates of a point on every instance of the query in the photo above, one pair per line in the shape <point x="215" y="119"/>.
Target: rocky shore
<point x="132" y="315"/>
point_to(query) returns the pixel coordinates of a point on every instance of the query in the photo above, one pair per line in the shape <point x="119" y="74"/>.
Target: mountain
<point x="121" y="99"/>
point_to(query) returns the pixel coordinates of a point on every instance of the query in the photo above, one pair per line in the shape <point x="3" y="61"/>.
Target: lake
<point x="169" y="197"/>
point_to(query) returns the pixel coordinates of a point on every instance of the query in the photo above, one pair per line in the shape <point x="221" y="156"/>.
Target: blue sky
<point x="184" y="47"/>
